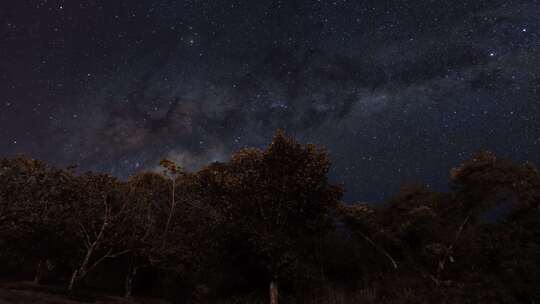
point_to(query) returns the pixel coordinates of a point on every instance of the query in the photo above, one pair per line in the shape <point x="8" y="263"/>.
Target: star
<point x="370" y="78"/>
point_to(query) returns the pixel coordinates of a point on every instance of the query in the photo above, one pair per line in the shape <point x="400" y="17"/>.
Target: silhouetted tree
<point x="271" y="217"/>
<point x="95" y="219"/>
<point x="278" y="198"/>
<point x="173" y="172"/>
<point x="147" y="196"/>
<point x="503" y="199"/>
<point x="172" y="236"/>
<point x="34" y="199"/>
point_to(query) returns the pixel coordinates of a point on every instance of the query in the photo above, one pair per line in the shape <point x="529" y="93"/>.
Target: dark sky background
<point x="398" y="91"/>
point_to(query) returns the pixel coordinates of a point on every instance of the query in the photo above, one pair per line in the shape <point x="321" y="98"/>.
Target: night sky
<point x="397" y="91"/>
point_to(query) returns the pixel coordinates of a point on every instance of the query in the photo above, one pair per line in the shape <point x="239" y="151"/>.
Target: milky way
<point x="397" y="91"/>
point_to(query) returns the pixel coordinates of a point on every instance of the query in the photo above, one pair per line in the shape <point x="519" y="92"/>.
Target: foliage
<point x="269" y="218"/>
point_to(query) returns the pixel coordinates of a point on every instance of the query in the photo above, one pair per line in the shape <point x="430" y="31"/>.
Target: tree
<point x="276" y="199"/>
<point x="173" y="172"/>
<point x="486" y="181"/>
<point x="94" y="220"/>
<point x="502" y="199"/>
<point x="35" y="198"/>
<point x="147" y="199"/>
<point x="161" y="232"/>
<point x="362" y="224"/>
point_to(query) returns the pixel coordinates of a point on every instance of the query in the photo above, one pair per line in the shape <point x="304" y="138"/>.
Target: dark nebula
<point x="398" y="91"/>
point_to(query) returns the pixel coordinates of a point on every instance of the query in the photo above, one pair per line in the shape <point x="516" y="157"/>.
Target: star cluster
<point x="398" y="91"/>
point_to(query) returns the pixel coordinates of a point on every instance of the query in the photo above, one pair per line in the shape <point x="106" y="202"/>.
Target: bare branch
<point x="384" y="252"/>
<point x="87" y="237"/>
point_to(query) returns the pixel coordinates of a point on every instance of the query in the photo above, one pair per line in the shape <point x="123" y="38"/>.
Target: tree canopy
<point x="270" y="219"/>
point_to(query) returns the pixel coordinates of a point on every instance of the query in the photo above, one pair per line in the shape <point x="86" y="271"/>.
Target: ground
<point x="29" y="293"/>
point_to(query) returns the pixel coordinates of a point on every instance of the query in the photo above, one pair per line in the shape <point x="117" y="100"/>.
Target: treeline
<point x="267" y="226"/>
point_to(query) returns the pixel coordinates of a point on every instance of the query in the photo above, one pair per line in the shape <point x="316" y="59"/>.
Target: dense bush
<point x="237" y="232"/>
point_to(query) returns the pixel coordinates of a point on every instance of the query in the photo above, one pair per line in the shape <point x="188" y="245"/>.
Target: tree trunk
<point x="39" y="272"/>
<point x="81" y="271"/>
<point x="171" y="212"/>
<point x="273" y="292"/>
<point x="73" y="280"/>
<point x="129" y="282"/>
